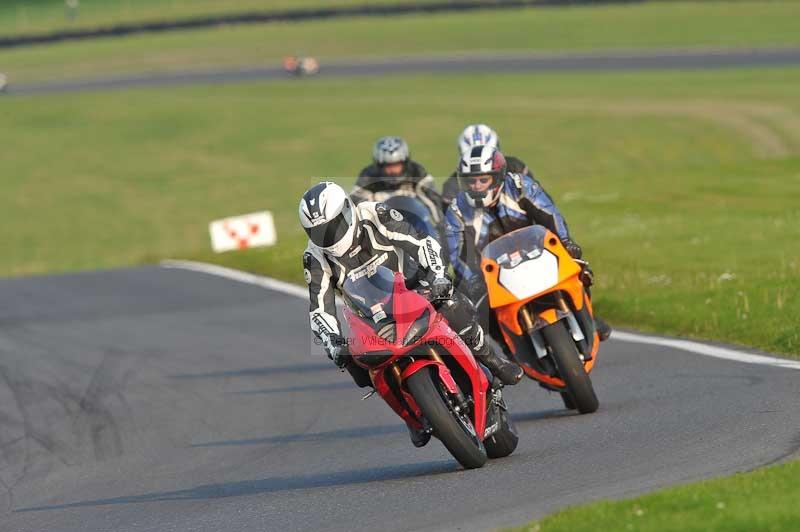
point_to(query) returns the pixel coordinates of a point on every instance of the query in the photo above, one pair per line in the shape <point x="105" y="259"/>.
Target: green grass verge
<point x="682" y="187"/>
<point x="684" y="24"/>
<point x="34" y="16"/>
<point x="763" y="500"/>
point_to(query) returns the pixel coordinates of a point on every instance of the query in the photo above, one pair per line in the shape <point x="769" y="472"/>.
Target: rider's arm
<point x="322" y="308"/>
<point x="391" y="223"/>
<point x="540" y="208"/>
<point x="456" y="242"/>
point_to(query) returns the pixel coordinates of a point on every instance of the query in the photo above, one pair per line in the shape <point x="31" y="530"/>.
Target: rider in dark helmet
<point x="393" y="173"/>
<point x="493" y="202"/>
<point x="345" y="239"/>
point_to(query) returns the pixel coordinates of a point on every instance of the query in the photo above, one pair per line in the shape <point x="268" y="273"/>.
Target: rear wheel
<point x="454" y="429"/>
<point x="569" y="404"/>
<point x="570" y="369"/>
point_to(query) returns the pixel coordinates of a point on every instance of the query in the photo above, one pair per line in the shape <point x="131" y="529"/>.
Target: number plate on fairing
<point x="531" y="277"/>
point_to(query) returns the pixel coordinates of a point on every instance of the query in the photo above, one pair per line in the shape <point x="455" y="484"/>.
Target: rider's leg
<point x="460" y="314"/>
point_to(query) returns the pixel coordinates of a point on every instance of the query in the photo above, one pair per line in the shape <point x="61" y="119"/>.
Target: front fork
<point x="572" y="325"/>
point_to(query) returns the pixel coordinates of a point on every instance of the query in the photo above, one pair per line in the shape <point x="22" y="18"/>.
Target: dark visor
<point x="327" y="234"/>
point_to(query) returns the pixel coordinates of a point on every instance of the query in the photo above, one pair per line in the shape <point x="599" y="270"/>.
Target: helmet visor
<point x="478" y="182"/>
<point x="327" y="234"/>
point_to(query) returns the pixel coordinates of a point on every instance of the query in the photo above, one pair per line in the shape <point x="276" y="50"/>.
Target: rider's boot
<point x="508" y="372"/>
<point x="418" y="437"/>
<point x="603" y="329"/>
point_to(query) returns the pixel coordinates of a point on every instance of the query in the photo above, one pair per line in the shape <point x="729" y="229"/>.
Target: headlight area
<point x="418" y="328"/>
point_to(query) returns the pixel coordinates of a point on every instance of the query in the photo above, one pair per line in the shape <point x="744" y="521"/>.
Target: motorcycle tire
<point x="503" y="442"/>
<point x="463" y="443"/>
<point x="570" y="368"/>
<point x="569" y="404"/>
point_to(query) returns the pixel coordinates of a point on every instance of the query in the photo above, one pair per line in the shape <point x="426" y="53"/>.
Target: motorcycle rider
<point x="493" y="202"/>
<point x="479" y="135"/>
<point x="346" y="239"/>
<point x="393" y="173"/>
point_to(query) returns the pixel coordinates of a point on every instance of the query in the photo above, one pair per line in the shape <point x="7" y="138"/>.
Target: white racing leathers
<point x="383" y="238"/>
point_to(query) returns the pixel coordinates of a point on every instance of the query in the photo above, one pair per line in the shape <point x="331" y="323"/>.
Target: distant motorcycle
<point x="300" y="66"/>
<point x="423" y="370"/>
<point x="544" y="312"/>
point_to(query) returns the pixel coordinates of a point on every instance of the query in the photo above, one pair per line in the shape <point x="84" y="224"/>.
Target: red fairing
<point x="408" y="306"/>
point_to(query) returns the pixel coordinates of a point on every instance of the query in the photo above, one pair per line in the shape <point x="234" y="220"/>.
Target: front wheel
<point x="455" y="430"/>
<point x="570" y="369"/>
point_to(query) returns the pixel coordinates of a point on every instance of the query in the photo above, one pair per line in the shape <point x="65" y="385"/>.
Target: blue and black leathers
<point x="522" y="202"/>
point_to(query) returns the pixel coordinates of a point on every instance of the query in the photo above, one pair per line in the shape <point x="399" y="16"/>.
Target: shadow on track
<point x="255" y="372"/>
<point x="367" y="432"/>
<point x="554" y="413"/>
<point x="272" y="485"/>
<point x="305" y="388"/>
<point x="339" y="434"/>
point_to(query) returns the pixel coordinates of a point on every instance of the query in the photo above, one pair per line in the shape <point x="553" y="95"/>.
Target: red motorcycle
<point x="423" y="370"/>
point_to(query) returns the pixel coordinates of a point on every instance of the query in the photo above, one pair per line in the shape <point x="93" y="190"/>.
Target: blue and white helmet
<point x="477" y="135"/>
<point x="487" y="164"/>
<point x="390" y="150"/>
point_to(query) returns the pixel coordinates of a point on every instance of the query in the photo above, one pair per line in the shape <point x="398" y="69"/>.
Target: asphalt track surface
<point x="164" y="400"/>
<point x="678" y="59"/>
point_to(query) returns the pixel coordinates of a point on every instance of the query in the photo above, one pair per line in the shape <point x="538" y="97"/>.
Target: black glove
<point x="441" y="288"/>
<point x="337" y="350"/>
<point x="476" y="288"/>
<point x="572" y="248"/>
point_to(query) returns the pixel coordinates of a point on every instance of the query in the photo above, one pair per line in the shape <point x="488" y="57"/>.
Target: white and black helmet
<point x="477" y="135"/>
<point x="388" y="150"/>
<point x="329" y="218"/>
<point x="482" y="162"/>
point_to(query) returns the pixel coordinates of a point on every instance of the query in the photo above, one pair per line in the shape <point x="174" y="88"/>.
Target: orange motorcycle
<point x="543" y="312"/>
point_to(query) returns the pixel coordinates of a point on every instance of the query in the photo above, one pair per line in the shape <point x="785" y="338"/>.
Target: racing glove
<point x="337" y="350"/>
<point x="572" y="248"/>
<point x="441" y="288"/>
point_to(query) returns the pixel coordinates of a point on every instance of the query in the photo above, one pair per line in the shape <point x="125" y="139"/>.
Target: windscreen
<point x="371" y="296"/>
<point x="517" y="246"/>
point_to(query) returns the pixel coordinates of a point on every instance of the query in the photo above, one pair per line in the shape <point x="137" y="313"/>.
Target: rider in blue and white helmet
<point x="494" y="201"/>
<point x="479" y="135"/>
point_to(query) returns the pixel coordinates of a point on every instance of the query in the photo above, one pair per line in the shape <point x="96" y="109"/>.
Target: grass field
<point x="764" y="500"/>
<point x="682" y="187"/>
<point x="684" y="24"/>
<point x="28" y="16"/>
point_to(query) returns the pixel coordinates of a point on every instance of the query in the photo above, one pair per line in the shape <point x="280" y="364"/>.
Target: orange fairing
<point x="507" y="305"/>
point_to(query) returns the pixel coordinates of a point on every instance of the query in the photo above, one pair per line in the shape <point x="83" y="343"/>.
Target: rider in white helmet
<point x="394" y="173"/>
<point x="479" y="135"/>
<point x="345" y="239"/>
